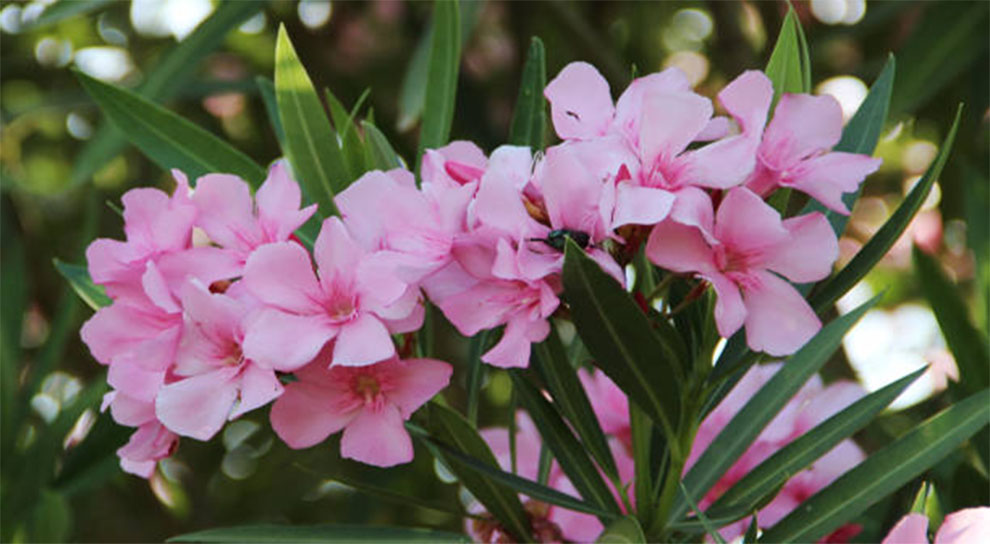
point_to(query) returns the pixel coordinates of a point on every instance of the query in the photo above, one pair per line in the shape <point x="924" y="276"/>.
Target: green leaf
<point x="861" y="135"/>
<point x="475" y="373"/>
<point x="570" y="398"/>
<point x="379" y="152"/>
<point x="749" y="492"/>
<point x="500" y="500"/>
<point x="51" y="520"/>
<point x="968" y="345"/>
<point x="747" y="424"/>
<point x="788" y="67"/>
<point x="641" y="436"/>
<point x="441" y="81"/>
<point x="883" y="472"/>
<point x="13" y="292"/>
<point x="529" y="120"/>
<point x="620" y="337"/>
<point x="167" y="139"/>
<point x="319" y="533"/>
<point x="881" y="242"/>
<point x="705" y="522"/>
<point x="266" y="88"/>
<point x="310" y="142"/>
<point x="926" y="503"/>
<point x="625" y="530"/>
<point x="570" y="454"/>
<point x="78" y="277"/>
<point x="351" y="145"/>
<point x="164" y="80"/>
<point x="64" y="9"/>
<point x="534" y="490"/>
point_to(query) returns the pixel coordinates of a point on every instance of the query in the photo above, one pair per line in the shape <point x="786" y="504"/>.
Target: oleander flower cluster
<point x="220" y="308"/>
<point x="813" y="404"/>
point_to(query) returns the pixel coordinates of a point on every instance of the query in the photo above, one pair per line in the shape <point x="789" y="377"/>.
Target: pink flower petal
<point x="802" y="124"/>
<point x="730" y="312"/>
<point x="828" y="177"/>
<point x="284" y="341"/>
<point x="911" y="529"/>
<point x="580" y="102"/>
<point x="282" y="275"/>
<point x="693" y="207"/>
<point x="744" y="222"/>
<point x="278" y="201"/>
<point x="679" y="248"/>
<point x="258" y="386"/>
<point x="670" y="122"/>
<point x="808" y="252"/>
<point x="226" y="211"/>
<point x="306" y="413"/>
<point x="629" y="107"/>
<point x="336" y="254"/>
<point x="963" y="526"/>
<point x="363" y="341"/>
<point x="377" y="437"/>
<point x="513" y="350"/>
<point x="637" y="205"/>
<point x="778" y="320"/>
<point x="571" y="193"/>
<point x="417" y="381"/>
<point x="198" y="406"/>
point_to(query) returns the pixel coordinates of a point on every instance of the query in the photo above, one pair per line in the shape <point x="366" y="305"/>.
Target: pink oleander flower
<point x="151" y="443"/>
<point x="655" y="120"/>
<point x="960" y="527"/>
<point x="214" y="381"/>
<point x="353" y="300"/>
<point x="235" y="221"/>
<point x="813" y="404"/>
<point x="155" y="225"/>
<point x="386" y="213"/>
<point x="458" y="163"/>
<point x="795" y="152"/>
<point x="750" y="244"/>
<point x="370" y="403"/>
<point x="550" y="523"/>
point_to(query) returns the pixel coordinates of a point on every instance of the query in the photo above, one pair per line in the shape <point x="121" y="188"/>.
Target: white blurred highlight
<point x="849" y="91"/>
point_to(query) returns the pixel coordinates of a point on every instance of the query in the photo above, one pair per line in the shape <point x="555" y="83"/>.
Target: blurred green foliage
<point x="59" y="164"/>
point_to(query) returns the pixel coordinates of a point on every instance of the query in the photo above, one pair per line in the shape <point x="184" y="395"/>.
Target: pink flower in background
<point x="151" y="443"/>
<point x="370" y="403"/>
<point x="750" y="243"/>
<point x="795" y="152"/>
<point x="960" y="527"/>
<point x="214" y="381"/>
<point x="610" y="404"/>
<point x="239" y="223"/>
<point x="352" y="300"/>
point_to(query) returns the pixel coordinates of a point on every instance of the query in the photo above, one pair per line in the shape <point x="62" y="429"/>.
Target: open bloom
<point x="215" y="382"/>
<point x="351" y="301"/>
<point x="238" y="223"/>
<point x="370" y="403"/>
<point x="795" y="152"/>
<point x="960" y="527"/>
<point x="750" y="243"/>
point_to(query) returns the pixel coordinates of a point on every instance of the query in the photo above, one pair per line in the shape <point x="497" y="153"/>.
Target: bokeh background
<point x="62" y="169"/>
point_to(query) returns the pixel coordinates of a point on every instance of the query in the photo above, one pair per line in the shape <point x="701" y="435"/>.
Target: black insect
<point x="557" y="238"/>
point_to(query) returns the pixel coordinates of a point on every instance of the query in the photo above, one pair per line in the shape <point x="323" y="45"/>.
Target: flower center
<point x="366" y="387"/>
<point x="342" y="308"/>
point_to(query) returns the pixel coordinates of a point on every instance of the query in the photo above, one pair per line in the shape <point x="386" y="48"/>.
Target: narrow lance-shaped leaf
<point x="571" y="456"/>
<point x="162" y="81"/>
<point x="310" y="143"/>
<point x="352" y="148"/>
<point x="883" y="472"/>
<point x="441" y="81"/>
<point x="861" y="135"/>
<point x="167" y="139"/>
<point x="266" y="88"/>
<point x="500" y="500"/>
<point x="78" y="277"/>
<point x="967" y="343"/>
<point x="379" y="152"/>
<point x="874" y="250"/>
<point x="570" y="398"/>
<point x="769" y="475"/>
<point x="529" y="119"/>
<point x="743" y="429"/>
<point x="319" y="533"/>
<point x="534" y="490"/>
<point x="619" y="336"/>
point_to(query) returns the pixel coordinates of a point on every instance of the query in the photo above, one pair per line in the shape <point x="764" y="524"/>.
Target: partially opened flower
<point x="352" y="301"/>
<point x="214" y="382"/>
<point x="750" y="244"/>
<point x="151" y="443"/>
<point x="796" y="152"/>
<point x="370" y="403"/>
<point x="960" y="527"/>
<point x="239" y="223"/>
